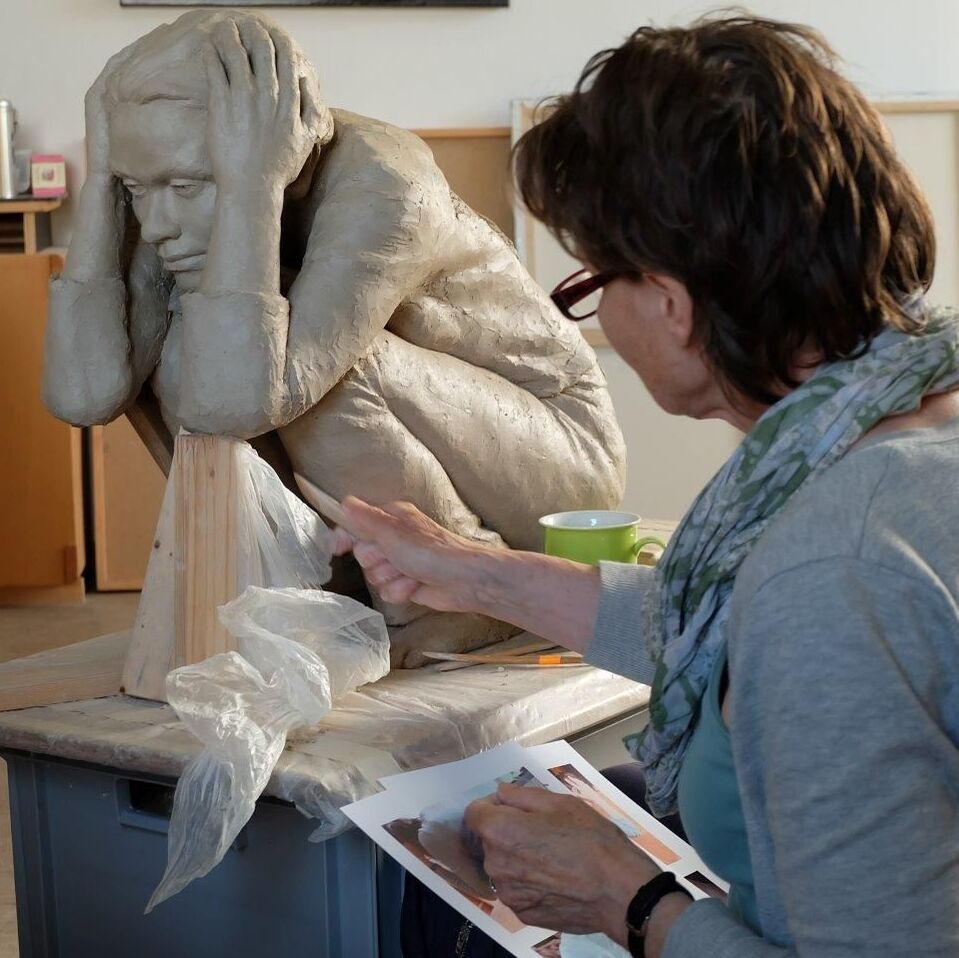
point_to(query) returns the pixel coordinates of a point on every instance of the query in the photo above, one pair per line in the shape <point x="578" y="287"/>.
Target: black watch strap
<point x="641" y="907"/>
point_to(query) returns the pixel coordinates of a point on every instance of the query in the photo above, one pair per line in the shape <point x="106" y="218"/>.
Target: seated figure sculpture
<point x="268" y="266"/>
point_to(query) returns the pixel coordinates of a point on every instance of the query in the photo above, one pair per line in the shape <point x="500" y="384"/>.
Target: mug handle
<point x="640" y="544"/>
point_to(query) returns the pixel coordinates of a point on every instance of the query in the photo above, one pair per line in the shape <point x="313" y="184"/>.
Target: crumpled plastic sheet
<point x="298" y="649"/>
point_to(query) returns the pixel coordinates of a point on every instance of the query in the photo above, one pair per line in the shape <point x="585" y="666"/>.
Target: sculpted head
<point x="156" y="102"/>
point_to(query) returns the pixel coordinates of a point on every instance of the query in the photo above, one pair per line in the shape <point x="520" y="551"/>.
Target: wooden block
<point x="194" y="565"/>
<point x="85" y="670"/>
<point x="205" y="476"/>
<point x="476" y="163"/>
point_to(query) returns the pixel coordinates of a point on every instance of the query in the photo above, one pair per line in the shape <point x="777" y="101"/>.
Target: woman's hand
<point x="408" y="557"/>
<point x="263" y="117"/>
<point x="556" y="862"/>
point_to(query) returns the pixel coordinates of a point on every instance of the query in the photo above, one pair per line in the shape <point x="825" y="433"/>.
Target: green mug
<point x="591" y="535"/>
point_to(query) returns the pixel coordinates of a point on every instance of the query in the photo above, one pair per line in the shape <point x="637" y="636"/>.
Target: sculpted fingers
<point x="215" y="74"/>
<point x="289" y="88"/>
<point x="229" y="47"/>
<point x="259" y="46"/>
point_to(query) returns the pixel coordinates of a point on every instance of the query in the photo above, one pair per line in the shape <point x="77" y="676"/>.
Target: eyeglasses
<point x="581" y="290"/>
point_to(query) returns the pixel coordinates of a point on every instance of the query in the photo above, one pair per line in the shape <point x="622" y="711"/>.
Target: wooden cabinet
<point x="41" y="484"/>
<point x="25" y="224"/>
<point x="127" y="488"/>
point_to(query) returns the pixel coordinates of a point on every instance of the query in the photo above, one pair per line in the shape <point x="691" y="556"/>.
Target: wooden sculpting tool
<point x="323" y="502"/>
<point x="559" y="660"/>
<point x="541" y="645"/>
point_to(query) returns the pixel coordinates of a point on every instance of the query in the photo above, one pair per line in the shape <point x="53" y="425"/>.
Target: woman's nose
<point x="157" y="222"/>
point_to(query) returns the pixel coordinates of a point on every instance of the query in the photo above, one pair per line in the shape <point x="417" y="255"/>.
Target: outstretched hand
<point x="408" y="557"/>
<point x="264" y="116"/>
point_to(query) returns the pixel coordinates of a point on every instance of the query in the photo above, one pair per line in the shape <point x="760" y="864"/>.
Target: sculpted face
<point x="158" y="151"/>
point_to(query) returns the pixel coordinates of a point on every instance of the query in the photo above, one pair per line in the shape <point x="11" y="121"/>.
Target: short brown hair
<point x="732" y="156"/>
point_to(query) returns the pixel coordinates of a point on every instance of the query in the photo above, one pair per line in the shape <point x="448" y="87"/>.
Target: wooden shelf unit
<point x="25" y="224"/>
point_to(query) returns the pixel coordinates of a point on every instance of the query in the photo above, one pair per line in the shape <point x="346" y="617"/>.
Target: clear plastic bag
<point x="283" y="542"/>
<point x="297" y="651"/>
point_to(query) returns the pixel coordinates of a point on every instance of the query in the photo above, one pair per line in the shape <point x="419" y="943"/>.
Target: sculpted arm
<point x="108" y="308"/>
<point x="253" y="360"/>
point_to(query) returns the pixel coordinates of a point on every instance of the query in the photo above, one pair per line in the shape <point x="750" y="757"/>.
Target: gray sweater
<point x="844" y="700"/>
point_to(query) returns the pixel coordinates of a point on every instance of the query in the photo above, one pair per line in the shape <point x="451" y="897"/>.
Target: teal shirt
<point x="710" y="805"/>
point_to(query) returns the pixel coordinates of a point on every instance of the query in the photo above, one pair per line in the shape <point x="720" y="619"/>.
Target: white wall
<point x="436" y="67"/>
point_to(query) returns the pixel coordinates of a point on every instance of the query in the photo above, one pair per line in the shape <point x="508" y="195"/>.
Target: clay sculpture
<point x="269" y="267"/>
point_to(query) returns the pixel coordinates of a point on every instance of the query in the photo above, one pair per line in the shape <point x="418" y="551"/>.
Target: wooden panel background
<point x="127" y="488"/>
<point x="476" y="163"/>
<point x="41" y="522"/>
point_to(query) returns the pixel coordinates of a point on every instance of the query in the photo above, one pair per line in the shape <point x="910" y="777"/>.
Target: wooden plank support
<point x="194" y="565"/>
<point x="205" y="476"/>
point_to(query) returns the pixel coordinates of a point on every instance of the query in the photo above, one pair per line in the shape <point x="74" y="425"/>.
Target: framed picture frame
<point x="315" y="3"/>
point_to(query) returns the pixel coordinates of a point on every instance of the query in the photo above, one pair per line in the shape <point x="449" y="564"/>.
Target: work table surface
<point x="410" y="719"/>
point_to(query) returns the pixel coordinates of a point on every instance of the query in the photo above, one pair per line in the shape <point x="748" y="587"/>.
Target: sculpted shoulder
<point x="380" y="155"/>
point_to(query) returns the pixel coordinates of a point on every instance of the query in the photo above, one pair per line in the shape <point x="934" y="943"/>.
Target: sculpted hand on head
<point x="214" y="101"/>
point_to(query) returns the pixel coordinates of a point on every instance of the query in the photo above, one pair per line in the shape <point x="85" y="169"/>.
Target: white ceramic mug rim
<point x="555" y="520"/>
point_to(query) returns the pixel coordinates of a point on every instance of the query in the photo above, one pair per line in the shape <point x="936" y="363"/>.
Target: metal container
<point x="8" y="167"/>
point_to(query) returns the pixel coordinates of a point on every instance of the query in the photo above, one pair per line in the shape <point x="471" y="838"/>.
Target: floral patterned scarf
<point x="686" y="616"/>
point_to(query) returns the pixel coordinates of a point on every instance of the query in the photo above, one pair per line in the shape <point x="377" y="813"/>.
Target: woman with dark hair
<point x="763" y="257"/>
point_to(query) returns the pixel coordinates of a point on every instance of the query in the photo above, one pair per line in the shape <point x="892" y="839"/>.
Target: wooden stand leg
<point x="194" y="565"/>
<point x="205" y="473"/>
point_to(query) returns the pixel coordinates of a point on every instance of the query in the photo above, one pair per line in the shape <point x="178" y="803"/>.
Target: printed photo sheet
<point x="418" y="820"/>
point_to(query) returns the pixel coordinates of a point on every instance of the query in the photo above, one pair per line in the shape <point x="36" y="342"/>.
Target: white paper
<point x="418" y="821"/>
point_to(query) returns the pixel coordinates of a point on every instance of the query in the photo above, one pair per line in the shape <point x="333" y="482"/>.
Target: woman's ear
<point x="675" y="307"/>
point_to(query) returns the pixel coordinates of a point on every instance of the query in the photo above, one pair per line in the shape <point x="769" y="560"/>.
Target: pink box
<point x="48" y="174"/>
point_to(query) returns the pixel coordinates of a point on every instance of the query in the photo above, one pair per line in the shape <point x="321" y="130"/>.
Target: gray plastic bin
<point x="89" y="846"/>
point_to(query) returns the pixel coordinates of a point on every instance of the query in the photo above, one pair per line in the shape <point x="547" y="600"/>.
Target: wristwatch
<point x="641" y="907"/>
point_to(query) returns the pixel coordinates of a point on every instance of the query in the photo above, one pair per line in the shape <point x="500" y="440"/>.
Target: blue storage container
<point x="90" y="845"/>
